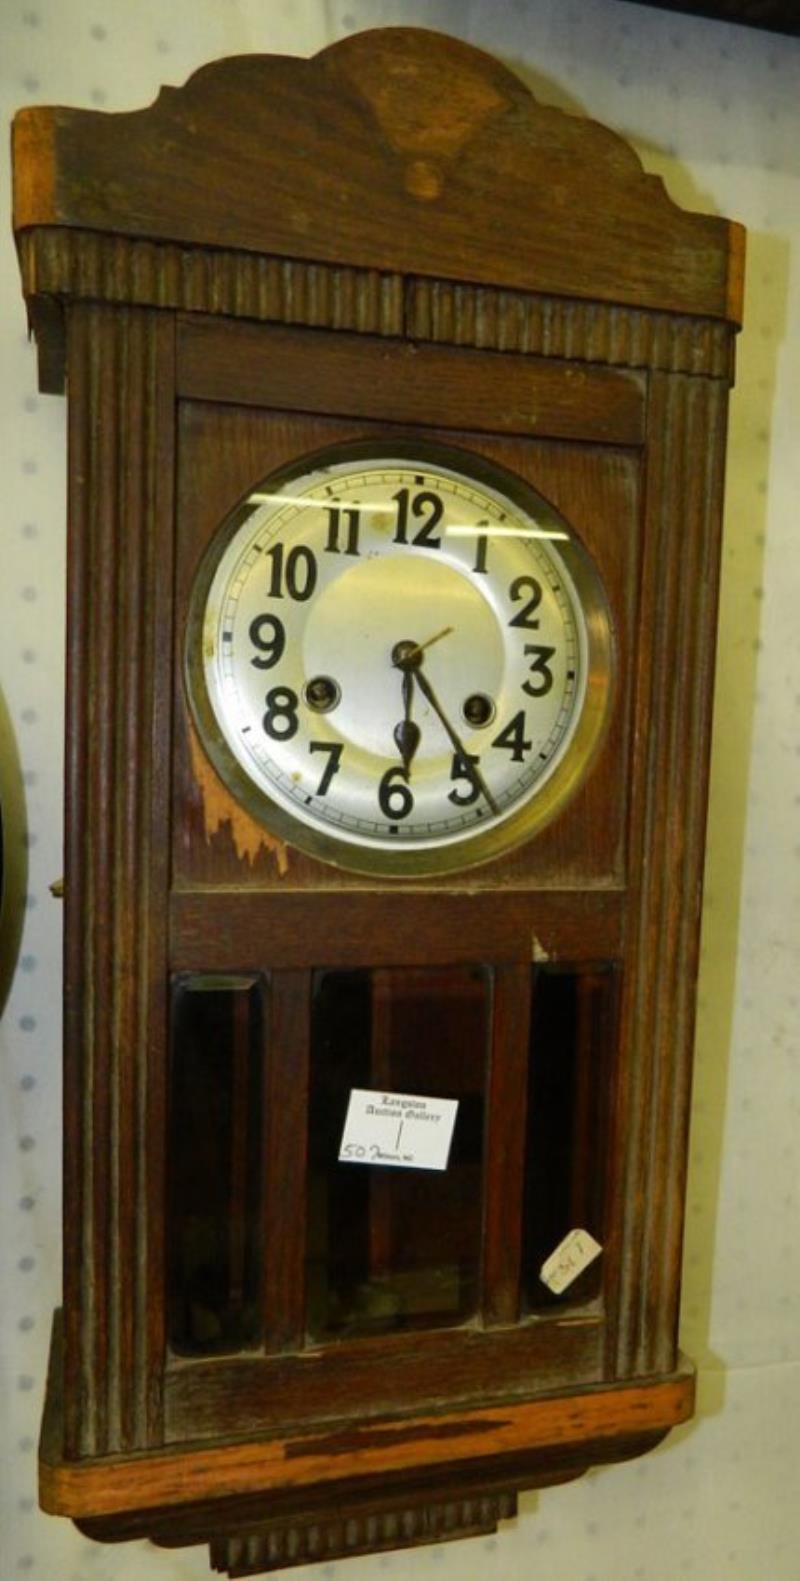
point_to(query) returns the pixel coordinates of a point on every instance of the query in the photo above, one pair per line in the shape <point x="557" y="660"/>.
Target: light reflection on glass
<point x="455" y="530"/>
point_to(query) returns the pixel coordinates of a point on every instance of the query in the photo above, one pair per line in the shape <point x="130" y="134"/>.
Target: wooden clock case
<point x="392" y="238"/>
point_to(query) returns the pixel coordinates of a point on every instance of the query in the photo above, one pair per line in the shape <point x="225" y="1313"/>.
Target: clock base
<point x="433" y="1477"/>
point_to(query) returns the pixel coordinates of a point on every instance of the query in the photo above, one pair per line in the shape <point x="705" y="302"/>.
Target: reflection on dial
<point x="310" y="594"/>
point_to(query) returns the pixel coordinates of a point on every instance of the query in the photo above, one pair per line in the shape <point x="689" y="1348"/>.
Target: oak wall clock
<point x="397" y="412"/>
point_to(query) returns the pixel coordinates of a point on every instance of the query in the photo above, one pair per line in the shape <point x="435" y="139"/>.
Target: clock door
<point x="403" y="1281"/>
<point x="302" y="990"/>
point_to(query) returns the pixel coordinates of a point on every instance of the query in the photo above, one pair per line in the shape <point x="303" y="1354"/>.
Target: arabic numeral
<point x="512" y="738"/>
<point x="481" y="551"/>
<point x="334" y="749"/>
<point x="420" y="505"/>
<point x="539" y="667"/>
<point x="519" y="587"/>
<point x="460" y="770"/>
<point x="394" y="795"/>
<point x="296" y="571"/>
<point x="280" y="719"/>
<point x="270" y="648"/>
<point x="351" y="519"/>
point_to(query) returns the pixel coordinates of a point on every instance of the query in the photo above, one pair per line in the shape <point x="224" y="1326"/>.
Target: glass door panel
<point x="214" y="1156"/>
<point x="393" y="1247"/>
<point x="570" y="1074"/>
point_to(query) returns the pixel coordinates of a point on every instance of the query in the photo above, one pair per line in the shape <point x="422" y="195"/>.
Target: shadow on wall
<point x="13" y="852"/>
<point x="738" y="649"/>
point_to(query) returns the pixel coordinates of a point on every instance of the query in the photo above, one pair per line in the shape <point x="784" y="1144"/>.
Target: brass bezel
<point x="482" y="845"/>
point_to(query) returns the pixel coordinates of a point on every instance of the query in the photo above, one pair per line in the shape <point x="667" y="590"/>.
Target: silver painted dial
<point x="395" y="657"/>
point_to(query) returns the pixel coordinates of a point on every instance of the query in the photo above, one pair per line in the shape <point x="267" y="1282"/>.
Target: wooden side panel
<point x="121" y="379"/>
<point x="672" y="740"/>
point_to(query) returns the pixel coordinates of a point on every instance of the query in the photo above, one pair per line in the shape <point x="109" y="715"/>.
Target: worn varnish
<point x="393" y="239"/>
<point x="448" y="173"/>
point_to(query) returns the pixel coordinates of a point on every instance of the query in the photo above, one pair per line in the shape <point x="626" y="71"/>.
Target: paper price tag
<point x="575" y="1252"/>
<point x="399" y="1129"/>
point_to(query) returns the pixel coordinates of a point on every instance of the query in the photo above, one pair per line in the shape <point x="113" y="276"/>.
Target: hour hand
<point x="407" y="733"/>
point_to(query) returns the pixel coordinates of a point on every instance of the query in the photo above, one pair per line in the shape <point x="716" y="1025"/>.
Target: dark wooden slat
<point x="303" y="370"/>
<point x="505" y="1144"/>
<point x="286" y="1166"/>
<point x="381" y="1227"/>
<point x="248" y="930"/>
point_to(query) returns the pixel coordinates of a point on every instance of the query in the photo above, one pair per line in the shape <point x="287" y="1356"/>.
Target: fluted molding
<point x="470" y="315"/>
<point x="117" y="794"/>
<point x="86" y="266"/>
<point x="296" y="1542"/>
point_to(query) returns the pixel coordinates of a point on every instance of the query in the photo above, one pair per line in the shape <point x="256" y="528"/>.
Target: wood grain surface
<point x="240" y="157"/>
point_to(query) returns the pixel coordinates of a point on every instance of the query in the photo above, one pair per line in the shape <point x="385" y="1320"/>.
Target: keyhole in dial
<point x="478" y="710"/>
<point x="322" y="693"/>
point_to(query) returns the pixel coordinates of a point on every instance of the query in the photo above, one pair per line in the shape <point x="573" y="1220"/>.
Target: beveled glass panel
<point x="214" y="1164"/>
<point x="392" y="1248"/>
<point x="572" y="1044"/>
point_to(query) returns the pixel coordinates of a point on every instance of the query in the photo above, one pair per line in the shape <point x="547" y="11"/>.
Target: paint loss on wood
<point x="220" y="810"/>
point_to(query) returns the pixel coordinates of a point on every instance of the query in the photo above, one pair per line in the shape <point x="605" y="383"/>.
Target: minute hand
<point x="469" y="768"/>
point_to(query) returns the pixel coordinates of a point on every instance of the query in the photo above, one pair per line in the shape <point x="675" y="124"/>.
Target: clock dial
<point x="398" y="659"/>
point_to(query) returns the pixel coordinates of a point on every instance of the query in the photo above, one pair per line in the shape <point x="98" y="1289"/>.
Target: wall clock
<point x="393" y="555"/>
